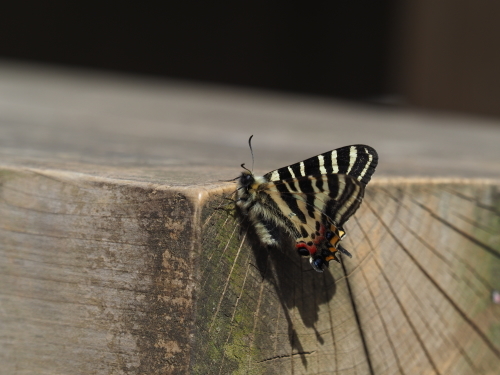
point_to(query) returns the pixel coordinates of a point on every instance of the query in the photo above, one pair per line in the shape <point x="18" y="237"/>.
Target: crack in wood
<point x="396" y="298"/>
<point x="437" y="253"/>
<point x="475" y="201"/>
<point x="456" y="344"/>
<point x="225" y="286"/>
<point x="287" y="356"/>
<point x="449" y="264"/>
<point x="374" y="299"/>
<point x="358" y="321"/>
<point x="475" y="223"/>
<point x="459" y="231"/>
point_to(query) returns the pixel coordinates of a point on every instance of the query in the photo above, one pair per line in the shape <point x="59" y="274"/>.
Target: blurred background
<point x="441" y="55"/>
<point x="188" y="82"/>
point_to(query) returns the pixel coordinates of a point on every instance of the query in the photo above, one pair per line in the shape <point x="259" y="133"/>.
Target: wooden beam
<point x="113" y="259"/>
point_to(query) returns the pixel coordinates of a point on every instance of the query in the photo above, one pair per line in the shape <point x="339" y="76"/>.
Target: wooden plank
<point x="119" y="126"/>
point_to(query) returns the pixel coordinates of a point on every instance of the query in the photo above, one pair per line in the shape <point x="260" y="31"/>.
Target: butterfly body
<point x="308" y="201"/>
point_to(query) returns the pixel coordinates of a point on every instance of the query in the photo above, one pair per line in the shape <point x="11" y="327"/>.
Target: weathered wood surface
<point x="113" y="261"/>
<point x="96" y="277"/>
<point x="416" y="298"/>
<point x="106" y="277"/>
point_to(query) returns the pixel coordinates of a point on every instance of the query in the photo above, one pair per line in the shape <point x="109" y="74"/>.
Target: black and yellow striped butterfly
<point x="309" y="201"/>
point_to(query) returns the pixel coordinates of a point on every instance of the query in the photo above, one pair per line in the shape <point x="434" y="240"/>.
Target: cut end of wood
<point x="416" y="292"/>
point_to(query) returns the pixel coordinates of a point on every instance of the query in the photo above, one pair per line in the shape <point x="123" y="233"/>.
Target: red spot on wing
<point x="317" y="240"/>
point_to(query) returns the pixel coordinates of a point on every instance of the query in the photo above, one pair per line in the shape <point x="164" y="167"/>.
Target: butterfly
<point x="309" y="201"/>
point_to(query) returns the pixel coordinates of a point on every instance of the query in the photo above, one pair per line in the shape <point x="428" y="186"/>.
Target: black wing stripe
<point x="306" y="187"/>
<point x="319" y="185"/>
<point x="280" y="219"/>
<point x="333" y="185"/>
<point x="297" y="170"/>
<point x="340" y="200"/>
<point x="343" y="159"/>
<point x="363" y="165"/>
<point x="360" y="163"/>
<point x="291" y="202"/>
<point x="284" y="173"/>
<point x="349" y="203"/>
<point x="353" y="207"/>
<point x="291" y="185"/>
<point x="312" y="166"/>
<point x="370" y="165"/>
<point x="303" y="231"/>
<point x="337" y="195"/>
<point x="328" y="162"/>
<point x="345" y="197"/>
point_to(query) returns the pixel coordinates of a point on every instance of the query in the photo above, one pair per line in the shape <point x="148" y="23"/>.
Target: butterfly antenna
<point x="243" y="166"/>
<point x="251" y="151"/>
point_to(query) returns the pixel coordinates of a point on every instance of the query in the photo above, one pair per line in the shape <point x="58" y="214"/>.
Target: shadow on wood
<point x="285" y="282"/>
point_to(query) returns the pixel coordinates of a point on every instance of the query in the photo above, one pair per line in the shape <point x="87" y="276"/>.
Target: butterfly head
<point x="248" y="189"/>
<point x="246" y="179"/>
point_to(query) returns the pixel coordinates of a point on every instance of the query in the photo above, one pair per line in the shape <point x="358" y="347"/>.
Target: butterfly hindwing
<point x="310" y="209"/>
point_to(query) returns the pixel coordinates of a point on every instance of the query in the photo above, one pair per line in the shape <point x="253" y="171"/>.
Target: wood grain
<point x="414" y="299"/>
<point x="95" y="277"/>
<point x="111" y="277"/>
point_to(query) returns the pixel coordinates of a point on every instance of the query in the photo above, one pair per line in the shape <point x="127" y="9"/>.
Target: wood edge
<point x="434" y="180"/>
<point x="200" y="194"/>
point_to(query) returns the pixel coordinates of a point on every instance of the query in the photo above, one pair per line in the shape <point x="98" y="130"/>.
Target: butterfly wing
<point x="318" y="195"/>
<point x="358" y="161"/>
<point x="310" y="200"/>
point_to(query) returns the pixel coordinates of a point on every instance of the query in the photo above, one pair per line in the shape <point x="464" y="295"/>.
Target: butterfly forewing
<point x="358" y="161"/>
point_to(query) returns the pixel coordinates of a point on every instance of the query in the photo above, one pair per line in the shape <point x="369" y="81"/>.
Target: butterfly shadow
<point x="297" y="285"/>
